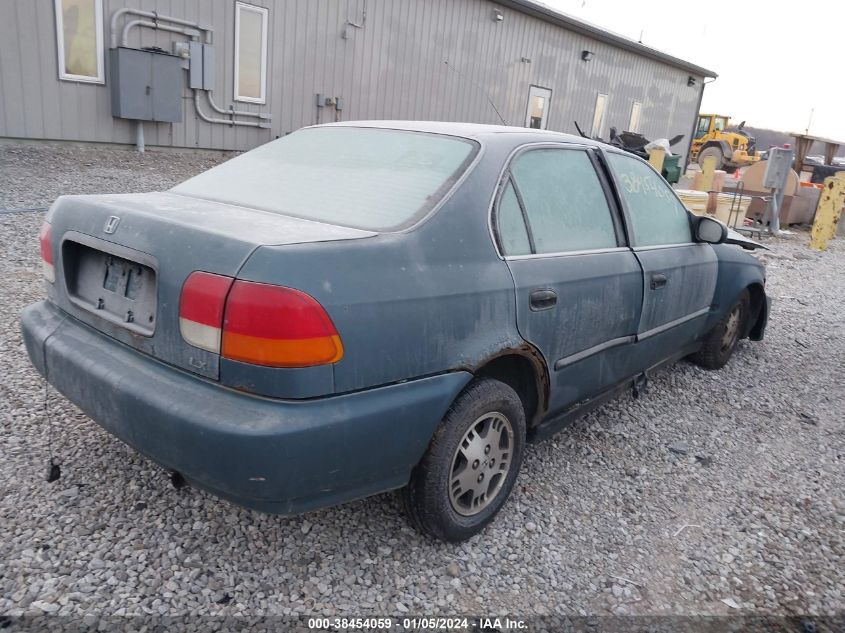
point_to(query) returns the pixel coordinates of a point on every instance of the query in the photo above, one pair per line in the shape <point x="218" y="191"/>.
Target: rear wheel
<point x="711" y="151"/>
<point x="471" y="464"/>
<point x="721" y="341"/>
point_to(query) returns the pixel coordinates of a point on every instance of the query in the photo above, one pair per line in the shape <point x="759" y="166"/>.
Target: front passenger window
<point x="657" y="216"/>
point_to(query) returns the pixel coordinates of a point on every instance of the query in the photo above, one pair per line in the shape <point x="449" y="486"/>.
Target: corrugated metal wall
<point x="413" y="59"/>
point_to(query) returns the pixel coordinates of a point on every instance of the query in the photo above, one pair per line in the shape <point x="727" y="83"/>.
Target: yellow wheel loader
<point x="732" y="148"/>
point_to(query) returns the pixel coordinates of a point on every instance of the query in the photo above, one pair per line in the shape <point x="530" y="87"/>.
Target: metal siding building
<point x="387" y="59"/>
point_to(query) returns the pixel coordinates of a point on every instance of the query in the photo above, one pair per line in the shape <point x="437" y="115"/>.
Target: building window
<point x="79" y="38"/>
<point x="634" y="125"/>
<point x="538" y="107"/>
<point x="250" y="53"/>
<point x="598" y="116"/>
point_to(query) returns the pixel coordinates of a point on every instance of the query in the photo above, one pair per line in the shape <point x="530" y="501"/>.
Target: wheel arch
<point x="757" y="298"/>
<point x="525" y="371"/>
<point x="723" y="146"/>
<point x="738" y="271"/>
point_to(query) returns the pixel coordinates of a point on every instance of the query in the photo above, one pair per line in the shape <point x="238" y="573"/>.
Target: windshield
<point x="366" y="178"/>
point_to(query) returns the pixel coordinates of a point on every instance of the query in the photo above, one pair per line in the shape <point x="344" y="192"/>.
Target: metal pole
<point x="828" y="211"/>
<point x="139" y="136"/>
<point x="774" y="206"/>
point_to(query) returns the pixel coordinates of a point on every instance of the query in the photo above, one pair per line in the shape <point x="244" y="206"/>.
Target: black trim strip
<point x="595" y="349"/>
<point x="521" y="202"/>
<point x="624" y="340"/>
<point x="671" y="324"/>
<point x="613" y="205"/>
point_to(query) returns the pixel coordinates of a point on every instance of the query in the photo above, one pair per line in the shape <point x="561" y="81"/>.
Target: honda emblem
<point x="111" y="224"/>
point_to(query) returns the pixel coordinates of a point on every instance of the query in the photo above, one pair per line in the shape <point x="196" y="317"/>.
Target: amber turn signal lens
<point x="277" y="326"/>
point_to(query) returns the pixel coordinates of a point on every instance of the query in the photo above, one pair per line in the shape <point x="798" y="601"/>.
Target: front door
<point x="578" y="286"/>
<point x="679" y="275"/>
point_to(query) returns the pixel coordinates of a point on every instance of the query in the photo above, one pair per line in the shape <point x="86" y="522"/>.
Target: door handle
<point x="542" y="299"/>
<point x="658" y="280"/>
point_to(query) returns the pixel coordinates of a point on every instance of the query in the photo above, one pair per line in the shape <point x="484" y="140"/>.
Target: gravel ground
<point x="715" y="493"/>
<point x="35" y="175"/>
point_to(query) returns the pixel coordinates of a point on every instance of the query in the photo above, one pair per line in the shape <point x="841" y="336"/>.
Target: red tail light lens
<point x="256" y="323"/>
<point x="277" y="326"/>
<point x="46" y="240"/>
<point x="201" y="309"/>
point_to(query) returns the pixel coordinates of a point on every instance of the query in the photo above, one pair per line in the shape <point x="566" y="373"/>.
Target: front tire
<point x="471" y="464"/>
<point x="721" y="341"/>
<point x="711" y="151"/>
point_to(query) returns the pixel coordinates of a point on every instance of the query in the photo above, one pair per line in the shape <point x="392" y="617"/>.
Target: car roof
<point x="469" y="130"/>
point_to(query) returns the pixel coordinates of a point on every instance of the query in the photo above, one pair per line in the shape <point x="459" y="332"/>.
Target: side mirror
<point x="710" y="230"/>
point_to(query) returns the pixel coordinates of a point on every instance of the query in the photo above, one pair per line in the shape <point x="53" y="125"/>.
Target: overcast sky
<point x="775" y="60"/>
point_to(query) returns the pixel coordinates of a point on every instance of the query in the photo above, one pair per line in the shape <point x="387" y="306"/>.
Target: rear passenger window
<point x="657" y="216"/>
<point x="564" y="201"/>
<point x="511" y="226"/>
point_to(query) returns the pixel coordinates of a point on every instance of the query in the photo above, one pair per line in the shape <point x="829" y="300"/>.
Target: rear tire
<point x="721" y="341"/>
<point x="471" y="464"/>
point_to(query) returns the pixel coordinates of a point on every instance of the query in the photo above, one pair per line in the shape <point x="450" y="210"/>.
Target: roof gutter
<point x="547" y="14"/>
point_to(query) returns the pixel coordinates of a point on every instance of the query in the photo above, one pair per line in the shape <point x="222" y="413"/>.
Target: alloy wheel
<point x="732" y="327"/>
<point x="481" y="463"/>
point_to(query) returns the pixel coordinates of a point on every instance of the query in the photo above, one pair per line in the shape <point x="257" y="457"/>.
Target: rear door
<point x="679" y="275"/>
<point x="578" y="286"/>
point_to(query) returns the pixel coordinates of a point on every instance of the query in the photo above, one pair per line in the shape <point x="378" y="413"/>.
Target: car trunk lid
<point x="122" y="261"/>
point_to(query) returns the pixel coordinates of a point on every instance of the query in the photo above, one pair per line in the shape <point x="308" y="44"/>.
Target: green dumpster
<point x="671" y="169"/>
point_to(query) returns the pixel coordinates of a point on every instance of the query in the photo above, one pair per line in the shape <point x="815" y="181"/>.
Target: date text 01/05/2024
<point x="418" y="623"/>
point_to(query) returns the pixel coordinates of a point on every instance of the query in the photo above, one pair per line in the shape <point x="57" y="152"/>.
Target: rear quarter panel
<point x="432" y="299"/>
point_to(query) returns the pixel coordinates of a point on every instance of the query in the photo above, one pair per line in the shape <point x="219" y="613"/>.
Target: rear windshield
<point x="366" y="178"/>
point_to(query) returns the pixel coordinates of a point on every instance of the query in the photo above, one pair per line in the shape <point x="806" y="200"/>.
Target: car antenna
<point x="53" y="469"/>
<point x="578" y="127"/>
<point x="489" y="100"/>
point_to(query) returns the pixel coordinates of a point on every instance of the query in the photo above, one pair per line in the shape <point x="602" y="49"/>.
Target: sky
<point x="776" y="61"/>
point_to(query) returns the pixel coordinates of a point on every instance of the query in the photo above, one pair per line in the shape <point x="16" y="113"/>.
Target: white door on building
<point x="598" y="115"/>
<point x="634" y="123"/>
<point x="538" y="107"/>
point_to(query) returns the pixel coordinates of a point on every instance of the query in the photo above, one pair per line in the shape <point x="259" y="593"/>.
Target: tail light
<point x="46" y="240"/>
<point x="257" y="323"/>
<point x="201" y="309"/>
<point x="278" y="327"/>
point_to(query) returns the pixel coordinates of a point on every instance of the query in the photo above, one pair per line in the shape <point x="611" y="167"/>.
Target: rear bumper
<point x="277" y="456"/>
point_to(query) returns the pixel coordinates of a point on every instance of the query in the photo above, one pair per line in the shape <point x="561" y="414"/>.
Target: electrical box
<point x="778" y="167"/>
<point x="201" y="73"/>
<point x="183" y="51"/>
<point x="145" y="85"/>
